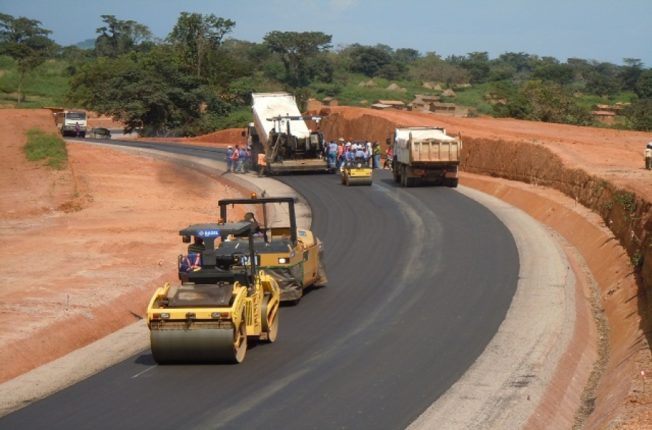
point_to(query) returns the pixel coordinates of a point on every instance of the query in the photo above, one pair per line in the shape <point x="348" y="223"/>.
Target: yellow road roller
<point x="221" y="302"/>
<point x="292" y="255"/>
<point x="356" y="172"/>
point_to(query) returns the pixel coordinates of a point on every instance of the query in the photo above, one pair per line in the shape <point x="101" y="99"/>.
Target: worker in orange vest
<point x="262" y="163"/>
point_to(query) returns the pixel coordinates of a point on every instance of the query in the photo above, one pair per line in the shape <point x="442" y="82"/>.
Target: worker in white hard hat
<point x="229" y="161"/>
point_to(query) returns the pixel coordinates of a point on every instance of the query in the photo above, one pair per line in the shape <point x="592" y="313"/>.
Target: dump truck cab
<point x="221" y="301"/>
<point x="292" y="255"/>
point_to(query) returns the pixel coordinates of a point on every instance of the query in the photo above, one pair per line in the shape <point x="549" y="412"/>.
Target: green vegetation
<point x="44" y="146"/>
<point x="197" y="79"/>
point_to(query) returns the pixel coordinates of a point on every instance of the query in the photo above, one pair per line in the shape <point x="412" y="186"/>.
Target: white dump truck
<point x="282" y="134"/>
<point x="71" y="123"/>
<point x="425" y="155"/>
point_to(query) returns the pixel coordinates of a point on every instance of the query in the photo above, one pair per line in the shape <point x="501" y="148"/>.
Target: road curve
<point x="420" y="280"/>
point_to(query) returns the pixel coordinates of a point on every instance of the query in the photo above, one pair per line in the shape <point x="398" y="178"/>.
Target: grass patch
<point x="48" y="147"/>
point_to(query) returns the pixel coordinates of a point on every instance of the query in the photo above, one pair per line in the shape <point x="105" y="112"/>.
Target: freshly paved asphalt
<point x="419" y="281"/>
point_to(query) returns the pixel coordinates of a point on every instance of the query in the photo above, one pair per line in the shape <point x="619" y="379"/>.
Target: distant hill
<point x="86" y="44"/>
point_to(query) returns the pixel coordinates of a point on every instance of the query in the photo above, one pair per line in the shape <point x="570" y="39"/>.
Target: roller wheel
<point x="298" y="299"/>
<point x="270" y="328"/>
<point x="199" y="345"/>
<point x="240" y="341"/>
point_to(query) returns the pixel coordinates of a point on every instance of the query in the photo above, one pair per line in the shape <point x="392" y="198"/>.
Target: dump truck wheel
<point x="404" y="178"/>
<point x="452" y="182"/>
<point x="240" y="341"/>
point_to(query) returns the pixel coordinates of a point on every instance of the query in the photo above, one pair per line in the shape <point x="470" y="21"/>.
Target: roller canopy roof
<point x="214" y="229"/>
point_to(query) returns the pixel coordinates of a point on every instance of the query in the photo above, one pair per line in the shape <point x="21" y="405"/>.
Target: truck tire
<point x="404" y="178"/>
<point x="451" y="182"/>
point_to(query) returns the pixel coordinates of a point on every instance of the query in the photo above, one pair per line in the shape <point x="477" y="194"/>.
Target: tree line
<point x="191" y="80"/>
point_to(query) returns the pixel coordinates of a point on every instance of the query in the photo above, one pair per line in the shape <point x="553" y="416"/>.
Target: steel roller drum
<point x="358" y="181"/>
<point x="192" y="345"/>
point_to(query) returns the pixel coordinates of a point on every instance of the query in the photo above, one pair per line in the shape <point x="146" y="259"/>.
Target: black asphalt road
<point x="419" y="281"/>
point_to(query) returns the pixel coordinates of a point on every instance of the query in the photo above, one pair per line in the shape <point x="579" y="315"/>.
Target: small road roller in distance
<point x="356" y="172"/>
<point x="221" y="302"/>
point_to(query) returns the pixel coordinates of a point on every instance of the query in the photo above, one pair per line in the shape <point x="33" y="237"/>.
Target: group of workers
<point x="341" y="152"/>
<point x="238" y="160"/>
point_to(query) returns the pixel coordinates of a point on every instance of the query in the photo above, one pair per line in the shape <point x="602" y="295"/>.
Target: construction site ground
<point x="85" y="247"/>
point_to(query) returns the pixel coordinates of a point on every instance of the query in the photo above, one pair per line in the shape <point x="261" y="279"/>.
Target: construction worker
<point x="332" y="155"/>
<point x="235" y="159"/>
<point x="229" y="160"/>
<point x="648" y="156"/>
<point x="262" y="163"/>
<point x="197" y="246"/>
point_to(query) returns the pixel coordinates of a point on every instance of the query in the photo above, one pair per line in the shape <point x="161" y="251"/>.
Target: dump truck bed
<point x="426" y="145"/>
<point x="270" y="105"/>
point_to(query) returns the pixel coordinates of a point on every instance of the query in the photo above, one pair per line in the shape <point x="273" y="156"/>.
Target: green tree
<point x="643" y="87"/>
<point x="520" y="62"/>
<point x="539" y="101"/>
<point x="27" y="42"/>
<point x="554" y="72"/>
<point x="639" y="115"/>
<point x="196" y="36"/>
<point x="630" y="73"/>
<point x="476" y="63"/>
<point x="368" y="60"/>
<point x="603" y="80"/>
<point x="118" y="37"/>
<point x="406" y="56"/>
<point x="295" y="51"/>
<point x="432" y="68"/>
<point x="149" y="91"/>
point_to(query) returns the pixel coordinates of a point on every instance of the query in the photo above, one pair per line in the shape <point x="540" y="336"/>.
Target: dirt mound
<point x="233" y="136"/>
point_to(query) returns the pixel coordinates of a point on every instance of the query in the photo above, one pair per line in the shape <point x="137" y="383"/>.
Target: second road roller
<point x="221" y="302"/>
<point x="292" y="255"/>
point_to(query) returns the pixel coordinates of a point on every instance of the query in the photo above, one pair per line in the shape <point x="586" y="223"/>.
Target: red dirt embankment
<point x="217" y="139"/>
<point x="601" y="169"/>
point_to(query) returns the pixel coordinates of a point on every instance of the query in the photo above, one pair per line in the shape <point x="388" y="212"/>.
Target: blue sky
<point x="601" y="30"/>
